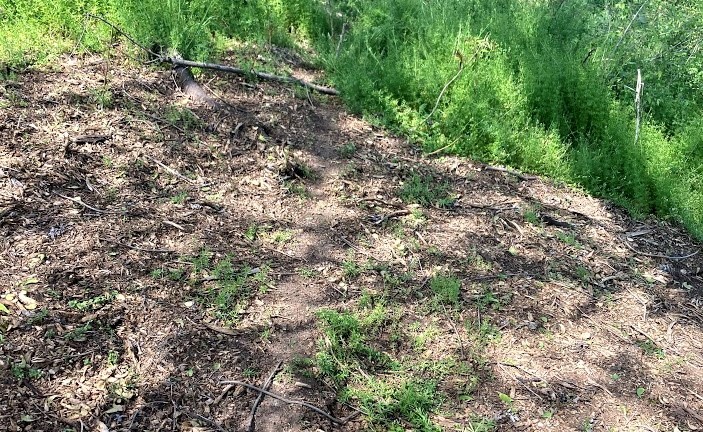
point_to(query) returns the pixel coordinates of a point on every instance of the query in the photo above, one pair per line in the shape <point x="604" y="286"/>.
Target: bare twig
<point x="169" y="169"/>
<point x="313" y="408"/>
<point x="497" y="276"/>
<point x="244" y="72"/>
<point x="204" y="419"/>
<point x="624" y="32"/>
<point x="267" y="384"/>
<point x="79" y="201"/>
<point x="509" y="171"/>
<point x="105" y="239"/>
<point x="118" y="30"/>
<point x="444" y="89"/>
<point x="653" y="255"/>
<point x="522" y="383"/>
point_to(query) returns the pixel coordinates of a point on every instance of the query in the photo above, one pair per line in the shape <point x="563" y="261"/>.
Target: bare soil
<point x="112" y="181"/>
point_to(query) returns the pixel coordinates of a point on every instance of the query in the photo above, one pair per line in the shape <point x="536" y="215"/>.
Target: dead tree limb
<point x="239" y="71"/>
<point x="251" y="423"/>
<point x="329" y="417"/>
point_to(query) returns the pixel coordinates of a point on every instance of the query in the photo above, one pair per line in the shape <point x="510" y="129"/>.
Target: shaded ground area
<point x="153" y="249"/>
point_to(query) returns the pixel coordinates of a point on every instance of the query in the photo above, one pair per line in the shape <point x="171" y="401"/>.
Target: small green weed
<point x="252" y="232"/>
<point x="530" y="215"/>
<point x="344" y="348"/>
<point x="297" y="188"/>
<point x="78" y="334"/>
<point x="283" y="236"/>
<point x="506" y="399"/>
<point x="307" y="272"/>
<point x="229" y="294"/>
<point x="179" y="198"/>
<point x="651" y="349"/>
<point x="23" y="370"/>
<point x="488" y="300"/>
<point x="102" y="97"/>
<point x="38" y="317"/>
<point x="569" y="239"/>
<point x="183" y="117"/>
<point x="425" y="191"/>
<point x="113" y="358"/>
<point x="348" y="150"/>
<point x="446" y="290"/>
<point x="350" y="269"/>
<point x="93" y="303"/>
<point x="250" y="372"/>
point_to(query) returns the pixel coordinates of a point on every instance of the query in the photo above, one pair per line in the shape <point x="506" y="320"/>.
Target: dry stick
<point x="446" y="86"/>
<point x="169" y="169"/>
<point x="522" y="383"/>
<point x="674" y="258"/>
<point x="509" y="171"/>
<point x="252" y="416"/>
<point x="221" y="68"/>
<point x="118" y="30"/>
<point x="329" y="417"/>
<point x="624" y="32"/>
<point x="240" y="71"/>
<point x="105" y="239"/>
<point x="79" y="201"/>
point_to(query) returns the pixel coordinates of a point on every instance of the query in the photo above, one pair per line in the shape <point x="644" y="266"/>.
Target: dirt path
<point x="152" y="249"/>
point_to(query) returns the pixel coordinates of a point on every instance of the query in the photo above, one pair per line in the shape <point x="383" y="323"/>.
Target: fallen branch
<point x="653" y="255"/>
<point x="218" y="67"/>
<point x="169" y="169"/>
<point x="509" y="171"/>
<point x="79" y="201"/>
<point x="105" y="239"/>
<point x="313" y="408"/>
<point x="244" y="72"/>
<point x="252" y="416"/>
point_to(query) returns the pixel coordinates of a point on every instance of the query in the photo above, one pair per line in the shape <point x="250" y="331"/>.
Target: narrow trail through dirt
<point x="185" y="246"/>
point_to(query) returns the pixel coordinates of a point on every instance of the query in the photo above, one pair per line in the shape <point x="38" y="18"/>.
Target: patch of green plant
<point x="488" y="299"/>
<point x="23" y="370"/>
<point x="179" y="198"/>
<point x="113" y="358"/>
<point x="652" y="349"/>
<point x="531" y="216"/>
<point x="345" y="348"/>
<point x="446" y="289"/>
<point x="102" y="97"/>
<point x="79" y="333"/>
<point x="421" y="336"/>
<point x="228" y="290"/>
<point x="425" y="191"/>
<point x="351" y="269"/>
<point x="301" y="366"/>
<point x="484" y="332"/>
<point x="348" y="150"/>
<point x="569" y="239"/>
<point x="307" y="272"/>
<point x="394" y="405"/>
<point x="38" y="317"/>
<point x="297" y="188"/>
<point x="182" y="117"/>
<point x="283" y="236"/>
<point x="93" y="303"/>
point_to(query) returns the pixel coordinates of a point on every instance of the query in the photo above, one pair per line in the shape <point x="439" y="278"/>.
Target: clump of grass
<point x="229" y="296"/>
<point x="446" y="289"/>
<point x="425" y="191"/>
<point x="348" y="150"/>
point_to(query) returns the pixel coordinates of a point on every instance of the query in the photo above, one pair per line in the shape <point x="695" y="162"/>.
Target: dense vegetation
<point x="546" y="86"/>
